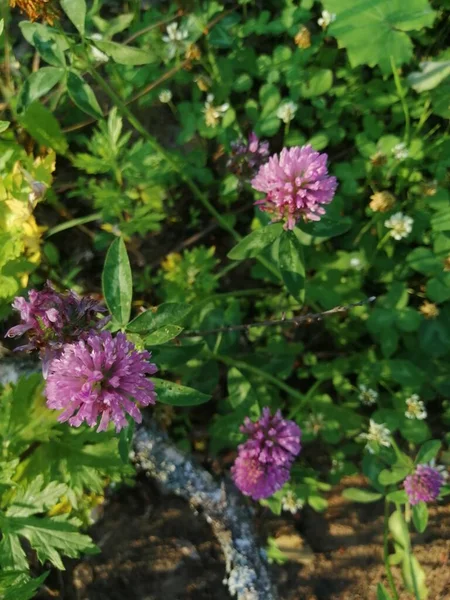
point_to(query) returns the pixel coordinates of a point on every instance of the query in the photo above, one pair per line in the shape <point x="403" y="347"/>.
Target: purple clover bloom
<point x="297" y="184"/>
<point x="101" y="376"/>
<point x="247" y="157"/>
<point x="264" y="461"/>
<point x="424" y="485"/>
<point x="50" y="319"/>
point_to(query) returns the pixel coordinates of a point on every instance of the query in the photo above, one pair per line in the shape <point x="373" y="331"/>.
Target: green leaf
<point x="430" y="75"/>
<point x="424" y="261"/>
<point x="360" y="495"/>
<point x="50" y="537"/>
<point x="414" y="577"/>
<point x="37" y="85"/>
<point x="399" y="497"/>
<point x="4" y="126"/>
<point x="438" y="288"/>
<point x="389" y="477"/>
<point x="178" y="395"/>
<point x="255" y="242"/>
<point x="428" y="451"/>
<point x="83" y="96"/>
<point x="318" y="84"/>
<point x="20" y="586"/>
<point x="35" y="498"/>
<point x="168" y="313"/>
<point x="372" y="33"/>
<point x="318" y="503"/>
<point x="76" y="11"/>
<point x="2" y="25"/>
<point x="125" y="55"/>
<point x="382" y="593"/>
<point x="44" y="128"/>
<point x="163" y="335"/>
<point x="420" y="516"/>
<point x="117" y="282"/>
<point x="49" y="49"/>
<point x="326" y="228"/>
<point x="415" y="431"/>
<point x="291" y="262"/>
<point x="399" y="529"/>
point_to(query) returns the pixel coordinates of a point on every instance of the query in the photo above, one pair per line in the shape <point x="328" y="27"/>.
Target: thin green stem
<point x="240" y="364"/>
<point x="401" y="93"/>
<point x="201" y="197"/>
<point x="387" y="566"/>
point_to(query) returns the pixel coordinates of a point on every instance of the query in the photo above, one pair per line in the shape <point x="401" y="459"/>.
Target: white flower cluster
<point x="286" y="111"/>
<point x="290" y="502"/>
<point x="400" y="225"/>
<point x="326" y="19"/>
<point x="400" y="151"/>
<point x="213" y="113"/>
<point x="165" y="96"/>
<point x="415" y="408"/>
<point x="378" y="434"/>
<point x="367" y="395"/>
<point x="175" y="39"/>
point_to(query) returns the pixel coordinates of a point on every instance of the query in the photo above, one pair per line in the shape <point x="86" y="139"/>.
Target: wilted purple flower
<point x="50" y="319"/>
<point x="424" y="485"/>
<point x="264" y="461"/>
<point x="101" y="376"/>
<point x="297" y="184"/>
<point x="246" y="157"/>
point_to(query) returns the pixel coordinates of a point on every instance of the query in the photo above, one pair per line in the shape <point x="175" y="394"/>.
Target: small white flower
<point x="213" y="113"/>
<point x="400" y="225"/>
<point x="315" y="422"/>
<point x="175" y="39"/>
<point x="165" y="96"/>
<point x="326" y="19"/>
<point x="378" y="433"/>
<point x="287" y="111"/>
<point x="367" y="395"/>
<point x="400" y="151"/>
<point x="290" y="502"/>
<point x="415" y="408"/>
<point x="356" y="263"/>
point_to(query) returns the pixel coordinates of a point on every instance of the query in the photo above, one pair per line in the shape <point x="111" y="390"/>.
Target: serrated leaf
<point x="35" y="498"/>
<point x="372" y="32"/>
<point x="168" y="313"/>
<point x="51" y="537"/>
<point x="291" y="262"/>
<point x="23" y="588"/>
<point x="125" y="55"/>
<point x="82" y="95"/>
<point x="76" y="11"/>
<point x="360" y="495"/>
<point x="117" y="282"/>
<point x="178" y="395"/>
<point x="255" y="242"/>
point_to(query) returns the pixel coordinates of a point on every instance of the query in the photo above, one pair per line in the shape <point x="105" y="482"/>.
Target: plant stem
<point x="201" y="197"/>
<point x="401" y="93"/>
<point x="239" y="364"/>
<point x="386" y="550"/>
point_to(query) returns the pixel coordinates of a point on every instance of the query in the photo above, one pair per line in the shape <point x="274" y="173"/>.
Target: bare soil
<point x="156" y="548"/>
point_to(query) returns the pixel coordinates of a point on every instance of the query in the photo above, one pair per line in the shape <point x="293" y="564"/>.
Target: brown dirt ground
<point x="155" y="548"/>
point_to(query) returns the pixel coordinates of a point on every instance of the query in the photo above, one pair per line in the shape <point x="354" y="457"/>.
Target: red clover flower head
<point x="425" y="484"/>
<point x="50" y="319"/>
<point x="297" y="185"/>
<point x="100" y="376"/>
<point x="264" y="461"/>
